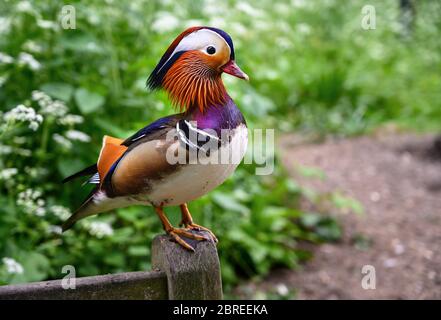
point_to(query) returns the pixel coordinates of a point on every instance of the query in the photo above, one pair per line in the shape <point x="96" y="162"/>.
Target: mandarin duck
<point x="139" y="170"/>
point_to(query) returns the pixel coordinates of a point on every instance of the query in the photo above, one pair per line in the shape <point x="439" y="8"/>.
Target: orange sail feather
<point x="111" y="151"/>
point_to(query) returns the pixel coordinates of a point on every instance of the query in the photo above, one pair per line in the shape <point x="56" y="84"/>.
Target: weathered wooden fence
<point x="177" y="274"/>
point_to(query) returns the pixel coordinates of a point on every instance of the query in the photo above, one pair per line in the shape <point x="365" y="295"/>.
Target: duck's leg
<point x="187" y="222"/>
<point x="176" y="233"/>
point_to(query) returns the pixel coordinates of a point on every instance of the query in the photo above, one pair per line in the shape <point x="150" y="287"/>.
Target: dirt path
<point x="399" y="186"/>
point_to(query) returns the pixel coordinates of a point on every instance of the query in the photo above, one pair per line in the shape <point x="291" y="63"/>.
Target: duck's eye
<point x="211" y="50"/>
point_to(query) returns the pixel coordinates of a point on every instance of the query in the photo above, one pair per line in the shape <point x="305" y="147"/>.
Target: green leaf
<point x="58" y="90"/>
<point x="348" y="203"/>
<point x="227" y="202"/>
<point x="69" y="166"/>
<point x="310" y="219"/>
<point x="138" y="251"/>
<point x="81" y="43"/>
<point x="311" y="172"/>
<point x="88" y="101"/>
<point x="115" y="259"/>
<point x="329" y="230"/>
<point x="111" y="128"/>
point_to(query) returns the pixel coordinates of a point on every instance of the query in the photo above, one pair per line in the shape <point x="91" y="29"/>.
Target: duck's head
<point x="191" y="68"/>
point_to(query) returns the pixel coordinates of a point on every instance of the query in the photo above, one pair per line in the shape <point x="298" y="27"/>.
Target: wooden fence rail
<point x="177" y="274"/>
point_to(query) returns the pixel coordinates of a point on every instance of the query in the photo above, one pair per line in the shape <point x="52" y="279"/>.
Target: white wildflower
<point x="24" y="6"/>
<point x="23" y="152"/>
<point x="248" y="9"/>
<point x="39" y="212"/>
<point x="30" y="194"/>
<point x="5" y="25"/>
<point x="8" y="173"/>
<point x="3" y="80"/>
<point x="21" y="113"/>
<point x="61" y="140"/>
<point x="6" y="59"/>
<point x="303" y="28"/>
<point x="48" y="106"/>
<point x="5" y="149"/>
<point x="219" y="22"/>
<point x="263" y="25"/>
<point x="92" y="46"/>
<point x="19" y="140"/>
<point x="36" y="172"/>
<point x="31" y="202"/>
<point x="99" y="229"/>
<point x="93" y="18"/>
<point x="282" y="290"/>
<point x="77" y="135"/>
<point x="298" y="3"/>
<point x="12" y="266"/>
<point x="47" y="24"/>
<point x="165" y="22"/>
<point x="282" y="8"/>
<point x="239" y="28"/>
<point x="54" y="229"/>
<point x="213" y="8"/>
<point x="27" y="59"/>
<point x="40" y="95"/>
<point x="71" y="119"/>
<point x="61" y="212"/>
<point x="57" y="108"/>
<point x="32" y="46"/>
<point x="33" y="126"/>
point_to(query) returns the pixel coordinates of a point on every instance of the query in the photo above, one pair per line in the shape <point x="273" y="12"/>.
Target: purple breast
<point x="227" y="116"/>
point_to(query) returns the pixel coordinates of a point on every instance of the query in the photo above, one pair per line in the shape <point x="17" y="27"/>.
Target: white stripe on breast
<point x="194" y="180"/>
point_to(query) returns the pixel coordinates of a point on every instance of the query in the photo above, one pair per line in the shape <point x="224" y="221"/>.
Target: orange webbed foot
<point x="178" y="233"/>
<point x="196" y="227"/>
<point x="187" y="222"/>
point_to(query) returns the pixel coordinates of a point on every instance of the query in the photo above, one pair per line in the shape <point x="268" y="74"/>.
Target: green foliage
<point x="311" y="66"/>
<point x="88" y="102"/>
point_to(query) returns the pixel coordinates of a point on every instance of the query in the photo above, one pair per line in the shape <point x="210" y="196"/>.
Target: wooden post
<point x="190" y="275"/>
<point x="122" y="286"/>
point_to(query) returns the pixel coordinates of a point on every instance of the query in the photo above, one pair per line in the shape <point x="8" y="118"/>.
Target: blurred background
<point x="356" y="112"/>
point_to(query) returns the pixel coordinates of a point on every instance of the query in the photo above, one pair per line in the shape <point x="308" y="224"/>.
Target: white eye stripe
<point x="199" y="40"/>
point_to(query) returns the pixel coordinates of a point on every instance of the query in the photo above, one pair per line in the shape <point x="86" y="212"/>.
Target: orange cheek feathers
<point x="217" y="60"/>
<point x="192" y="80"/>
